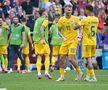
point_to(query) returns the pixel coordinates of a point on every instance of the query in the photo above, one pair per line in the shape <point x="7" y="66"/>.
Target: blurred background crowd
<point x="30" y="9"/>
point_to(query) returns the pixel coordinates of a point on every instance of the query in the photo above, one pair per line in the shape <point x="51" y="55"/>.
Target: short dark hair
<point x="89" y="8"/>
<point x="23" y="19"/>
<point x="41" y="11"/>
<point x="15" y="17"/>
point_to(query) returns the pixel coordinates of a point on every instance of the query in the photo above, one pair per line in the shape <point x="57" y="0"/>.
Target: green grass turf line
<point x="29" y="81"/>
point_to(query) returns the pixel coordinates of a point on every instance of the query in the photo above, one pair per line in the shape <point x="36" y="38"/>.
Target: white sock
<point x="46" y="72"/>
<point x="94" y="77"/>
<point x="39" y="73"/>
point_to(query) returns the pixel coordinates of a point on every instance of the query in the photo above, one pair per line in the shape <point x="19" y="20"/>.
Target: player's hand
<point x="22" y="45"/>
<point x="43" y="41"/>
<point x="7" y="45"/>
<point x="64" y="39"/>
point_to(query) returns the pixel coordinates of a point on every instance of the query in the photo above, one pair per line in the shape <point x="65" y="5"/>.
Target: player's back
<point x="37" y="26"/>
<point x="90" y="25"/>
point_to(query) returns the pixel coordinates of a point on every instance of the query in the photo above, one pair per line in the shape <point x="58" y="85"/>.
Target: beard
<point x="68" y="14"/>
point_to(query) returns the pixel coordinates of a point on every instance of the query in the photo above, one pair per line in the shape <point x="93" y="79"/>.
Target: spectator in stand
<point x="58" y="7"/>
<point x="36" y="13"/>
<point x="36" y="3"/>
<point x="28" y="7"/>
<point x="1" y="11"/>
<point x="11" y="15"/>
<point x="20" y="14"/>
<point x="51" y="15"/>
<point x="74" y="3"/>
<point x="81" y="14"/>
<point x="17" y="5"/>
<point x="44" y="4"/>
<point x="101" y="18"/>
<point x="6" y="8"/>
<point x="106" y="10"/>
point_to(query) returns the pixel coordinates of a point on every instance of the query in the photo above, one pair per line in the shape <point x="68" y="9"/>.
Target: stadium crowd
<point x="25" y="13"/>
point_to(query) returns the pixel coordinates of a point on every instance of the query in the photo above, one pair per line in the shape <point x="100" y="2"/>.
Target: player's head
<point x="89" y="9"/>
<point x="57" y="17"/>
<point x="1" y="21"/>
<point x="15" y="19"/>
<point x="8" y="21"/>
<point x="24" y="20"/>
<point x="68" y="9"/>
<point x="43" y="12"/>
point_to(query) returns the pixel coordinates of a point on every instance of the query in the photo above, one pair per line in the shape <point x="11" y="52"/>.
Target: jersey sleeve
<point x="83" y="22"/>
<point x="45" y="23"/>
<point x="28" y="33"/>
<point x="60" y="23"/>
<point x="77" y="20"/>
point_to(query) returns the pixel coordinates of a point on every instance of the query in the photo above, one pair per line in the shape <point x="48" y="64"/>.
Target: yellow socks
<point x="62" y="72"/>
<point x="92" y="73"/>
<point x="38" y="64"/>
<point x="78" y="70"/>
<point x="6" y="63"/>
<point x="53" y="60"/>
<point x="88" y="72"/>
<point x="18" y="64"/>
<point x="47" y="63"/>
<point x="27" y="61"/>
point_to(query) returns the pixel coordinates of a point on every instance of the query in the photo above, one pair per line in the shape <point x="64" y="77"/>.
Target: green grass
<point x="17" y="81"/>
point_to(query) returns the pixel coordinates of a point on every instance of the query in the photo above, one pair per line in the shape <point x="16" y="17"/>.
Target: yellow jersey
<point x="67" y="29"/>
<point x="90" y="25"/>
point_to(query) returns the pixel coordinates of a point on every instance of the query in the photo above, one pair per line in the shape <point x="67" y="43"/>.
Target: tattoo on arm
<point x="42" y="31"/>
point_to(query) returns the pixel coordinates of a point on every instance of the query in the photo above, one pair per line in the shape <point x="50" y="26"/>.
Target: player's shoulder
<point x="62" y="18"/>
<point x="76" y="17"/>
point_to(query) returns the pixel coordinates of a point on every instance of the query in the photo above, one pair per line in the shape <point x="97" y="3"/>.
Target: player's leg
<point x="25" y="51"/>
<point x="18" y="65"/>
<point x="89" y="61"/>
<point x="63" y="52"/>
<point x="2" y="61"/>
<point x="4" y="52"/>
<point x="20" y="55"/>
<point x="85" y="52"/>
<point x="38" y="65"/>
<point x="55" y="53"/>
<point x="11" y="54"/>
<point x="72" y="52"/>
<point x="47" y="60"/>
<point x="38" y="52"/>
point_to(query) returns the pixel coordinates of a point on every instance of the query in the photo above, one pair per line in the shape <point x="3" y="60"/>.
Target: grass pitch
<point x="29" y="81"/>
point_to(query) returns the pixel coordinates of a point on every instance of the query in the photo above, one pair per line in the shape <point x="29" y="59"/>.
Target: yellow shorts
<point x="3" y="49"/>
<point x="88" y="51"/>
<point x="41" y="48"/>
<point x="25" y="50"/>
<point x="55" y="50"/>
<point x="68" y="49"/>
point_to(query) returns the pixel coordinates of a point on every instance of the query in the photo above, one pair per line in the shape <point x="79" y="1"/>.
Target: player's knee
<point x="71" y="57"/>
<point x="62" y="62"/>
<point x="54" y="55"/>
<point x="39" y="56"/>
